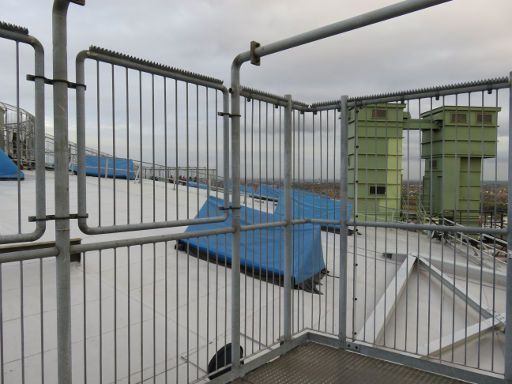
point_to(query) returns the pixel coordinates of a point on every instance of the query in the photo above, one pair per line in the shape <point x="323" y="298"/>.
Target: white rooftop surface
<point x="146" y="287"/>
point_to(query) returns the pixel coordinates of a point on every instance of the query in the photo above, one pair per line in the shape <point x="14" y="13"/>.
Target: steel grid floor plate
<point x="315" y="363"/>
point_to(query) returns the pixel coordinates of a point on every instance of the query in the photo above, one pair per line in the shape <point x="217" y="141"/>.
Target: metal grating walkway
<point x="315" y="363"/>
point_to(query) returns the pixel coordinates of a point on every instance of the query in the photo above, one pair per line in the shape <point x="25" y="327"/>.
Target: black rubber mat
<point x="314" y="363"/>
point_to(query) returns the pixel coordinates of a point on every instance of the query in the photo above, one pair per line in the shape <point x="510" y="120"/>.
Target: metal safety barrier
<point x="359" y="223"/>
<point x="206" y="112"/>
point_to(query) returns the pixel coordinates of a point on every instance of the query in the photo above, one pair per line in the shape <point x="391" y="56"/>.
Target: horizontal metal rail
<point x="251" y="93"/>
<point x="428" y="227"/>
<point x="485" y="85"/>
<point x="147" y="240"/>
<point x="253" y="227"/>
<point x="363" y="20"/>
<point x="8" y="257"/>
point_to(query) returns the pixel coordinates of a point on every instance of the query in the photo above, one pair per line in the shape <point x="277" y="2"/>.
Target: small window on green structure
<point x="377" y="190"/>
<point x="485" y="118"/>
<point x="381" y="114"/>
<point x="434" y="164"/>
<point x="458" y="118"/>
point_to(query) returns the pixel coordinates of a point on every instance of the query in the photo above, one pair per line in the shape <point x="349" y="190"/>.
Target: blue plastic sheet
<point x="8" y="169"/>
<point x="313" y="206"/>
<point x="261" y="250"/>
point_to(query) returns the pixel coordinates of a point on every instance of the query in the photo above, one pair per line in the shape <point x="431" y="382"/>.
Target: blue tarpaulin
<point x="123" y="168"/>
<point x="263" y="191"/>
<point x="261" y="250"/>
<point x="267" y="192"/>
<point x="8" y="169"/>
<point x="313" y="206"/>
<point x="195" y="184"/>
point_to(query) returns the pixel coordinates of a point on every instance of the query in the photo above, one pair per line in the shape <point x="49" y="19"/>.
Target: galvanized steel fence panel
<point x="22" y="138"/>
<point x="168" y="125"/>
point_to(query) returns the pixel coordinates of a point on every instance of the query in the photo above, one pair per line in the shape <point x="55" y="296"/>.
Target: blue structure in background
<point x="123" y="168"/>
<point x="261" y="250"/>
<point x="8" y="169"/>
<point x="313" y="206"/>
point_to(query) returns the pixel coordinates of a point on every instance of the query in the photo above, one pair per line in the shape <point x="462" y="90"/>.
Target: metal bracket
<point x="352" y="346"/>
<point x="53" y="81"/>
<point x="230" y="208"/>
<point x="53" y="217"/>
<point x="230" y="115"/>
<point x="255" y="59"/>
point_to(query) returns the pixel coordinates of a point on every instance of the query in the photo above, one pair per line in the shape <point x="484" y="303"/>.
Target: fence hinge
<point x="230" y="115"/>
<point x="255" y="59"/>
<point x="53" y="81"/>
<point x="230" y="208"/>
<point x="53" y="217"/>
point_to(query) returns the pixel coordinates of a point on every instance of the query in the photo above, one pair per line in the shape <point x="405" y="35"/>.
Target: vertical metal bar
<point x="312" y="298"/>
<point x="197" y="207"/>
<point x="22" y="321"/>
<point x="217" y="196"/>
<point x="154" y="309"/>
<point x="141" y="178"/>
<point x="166" y="218"/>
<point x="280" y="246"/>
<point x="225" y="159"/>
<point x="100" y="318"/>
<point x="115" y="313"/>
<point x="166" y="176"/>
<point x="333" y="216"/>
<point x="407" y="233"/>
<point x="259" y="220"/>
<point x="60" y="116"/>
<point x="508" y="334"/>
<point x="245" y="202"/>
<point x="129" y="299"/>
<point x="326" y="211"/>
<point x="288" y="218"/>
<point x="18" y="152"/>
<point x="235" y="169"/>
<point x="113" y="146"/>
<point x="2" y="355"/>
<point x="153" y="143"/>
<point x="128" y="169"/>
<point x="495" y="203"/>
<point x="84" y="298"/>
<point x="81" y="134"/>
<point x="41" y="311"/>
<point x="343" y="221"/>
<point x="253" y="194"/>
<point x="141" y="312"/>
<point x="208" y="238"/>
<point x="273" y="247"/>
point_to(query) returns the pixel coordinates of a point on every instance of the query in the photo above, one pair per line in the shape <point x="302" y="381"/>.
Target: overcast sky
<point x="458" y="41"/>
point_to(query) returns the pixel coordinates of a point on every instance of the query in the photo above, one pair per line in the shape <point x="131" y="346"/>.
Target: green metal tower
<point x="454" y="141"/>
<point x="375" y="161"/>
<point x="453" y="149"/>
